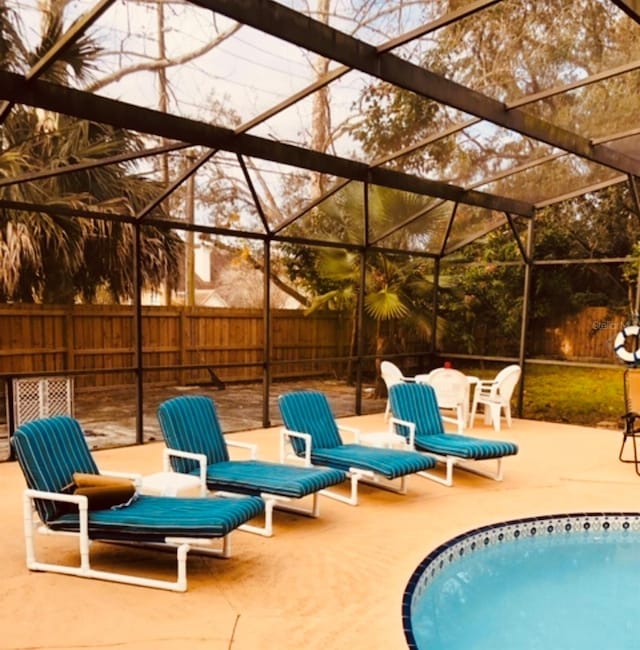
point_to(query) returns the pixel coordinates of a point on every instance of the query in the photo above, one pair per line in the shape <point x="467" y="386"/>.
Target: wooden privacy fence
<point x="100" y="341"/>
<point x="183" y="343"/>
<point x="586" y="336"/>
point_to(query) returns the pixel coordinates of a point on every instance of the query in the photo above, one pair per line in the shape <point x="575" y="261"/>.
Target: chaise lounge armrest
<point x="411" y="426"/>
<point x="306" y="438"/>
<point x="167" y="453"/>
<point x="352" y="430"/>
<point x="80" y="500"/>
<point x="396" y="423"/>
<point x="285" y="435"/>
<point x="248" y="446"/>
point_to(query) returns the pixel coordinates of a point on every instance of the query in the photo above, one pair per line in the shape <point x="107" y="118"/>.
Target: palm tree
<point x="52" y="257"/>
<point x="12" y="52"/>
<point x="398" y="288"/>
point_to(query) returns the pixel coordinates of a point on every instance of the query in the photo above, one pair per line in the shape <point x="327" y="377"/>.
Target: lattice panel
<point x="39" y="398"/>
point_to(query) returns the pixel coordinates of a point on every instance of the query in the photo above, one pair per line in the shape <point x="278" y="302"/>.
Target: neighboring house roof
<point x="210" y="298"/>
<point x="234" y="282"/>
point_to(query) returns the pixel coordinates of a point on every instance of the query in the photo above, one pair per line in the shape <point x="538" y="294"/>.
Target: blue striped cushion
<point x="391" y="463"/>
<point x="190" y="423"/>
<point x="454" y="444"/>
<point x="256" y="476"/>
<point x="49" y="451"/>
<point x="309" y="411"/>
<point x="418" y="403"/>
<point x="152" y="518"/>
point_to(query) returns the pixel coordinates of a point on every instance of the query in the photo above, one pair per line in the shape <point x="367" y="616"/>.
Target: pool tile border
<point x="473" y="540"/>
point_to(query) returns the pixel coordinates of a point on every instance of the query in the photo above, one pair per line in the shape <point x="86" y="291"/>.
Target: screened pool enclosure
<point x="344" y="149"/>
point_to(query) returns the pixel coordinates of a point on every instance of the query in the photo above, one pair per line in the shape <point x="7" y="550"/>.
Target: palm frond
<point x="385" y="305"/>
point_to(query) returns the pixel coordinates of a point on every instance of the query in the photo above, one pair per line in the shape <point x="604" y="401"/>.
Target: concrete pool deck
<point x="332" y="583"/>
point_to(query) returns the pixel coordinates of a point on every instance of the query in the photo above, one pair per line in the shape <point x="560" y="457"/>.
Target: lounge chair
<point x="196" y="445"/>
<point x="314" y="436"/>
<point x="50" y="451"/>
<point x="417" y="417"/>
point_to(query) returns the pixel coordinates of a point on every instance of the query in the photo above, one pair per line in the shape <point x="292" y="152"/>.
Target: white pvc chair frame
<point x="271" y="501"/>
<point x="449" y="461"/>
<point x="182" y="546"/>
<point x="355" y="474"/>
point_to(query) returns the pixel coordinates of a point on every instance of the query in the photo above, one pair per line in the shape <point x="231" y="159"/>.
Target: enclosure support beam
<point x="633" y="186"/>
<point x="436" y="299"/>
<point x="360" y="305"/>
<point x="524" y="325"/>
<point x="84" y="105"/>
<point x="266" y="325"/>
<point x="137" y="306"/>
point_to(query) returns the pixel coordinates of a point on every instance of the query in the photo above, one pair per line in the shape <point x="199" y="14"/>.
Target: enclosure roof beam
<point x="91" y="164"/>
<point x="273" y="18"/>
<point x="581" y="83"/>
<point x="175" y="224"/>
<point x="443" y="21"/>
<point x="619" y="135"/>
<point x="63" y="210"/>
<point x="473" y="237"/>
<point x="336" y="187"/>
<point x="69" y="37"/>
<point x="254" y="194"/>
<point x="406" y="182"/>
<point x="581" y="191"/>
<point x="435" y="137"/>
<point x="584" y="260"/>
<point x="409" y="220"/>
<point x="172" y="187"/>
<point x="85" y="105"/>
<point x="536" y="162"/>
<point x="57" y="210"/>
<point x="630" y="7"/>
<point x="447" y="233"/>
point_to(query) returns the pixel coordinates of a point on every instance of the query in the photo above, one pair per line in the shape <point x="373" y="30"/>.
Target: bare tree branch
<point x="157" y="64"/>
<point x="259" y="266"/>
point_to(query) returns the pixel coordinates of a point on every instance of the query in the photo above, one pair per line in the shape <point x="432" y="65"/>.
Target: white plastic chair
<point x="495" y="396"/>
<point x="452" y="393"/>
<point x="391" y="375"/>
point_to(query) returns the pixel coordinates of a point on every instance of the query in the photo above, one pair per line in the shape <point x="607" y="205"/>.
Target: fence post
<point x="69" y="339"/>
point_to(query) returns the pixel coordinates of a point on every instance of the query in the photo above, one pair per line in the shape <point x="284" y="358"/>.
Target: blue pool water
<point x="561" y="582"/>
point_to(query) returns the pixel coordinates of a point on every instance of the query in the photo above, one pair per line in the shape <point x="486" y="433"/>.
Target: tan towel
<point x="103" y="491"/>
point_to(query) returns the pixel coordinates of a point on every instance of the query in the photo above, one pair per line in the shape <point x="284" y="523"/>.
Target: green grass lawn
<point x="587" y="396"/>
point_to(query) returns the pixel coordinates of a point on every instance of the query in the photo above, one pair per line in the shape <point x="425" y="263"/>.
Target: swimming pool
<point x="560" y="581"/>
